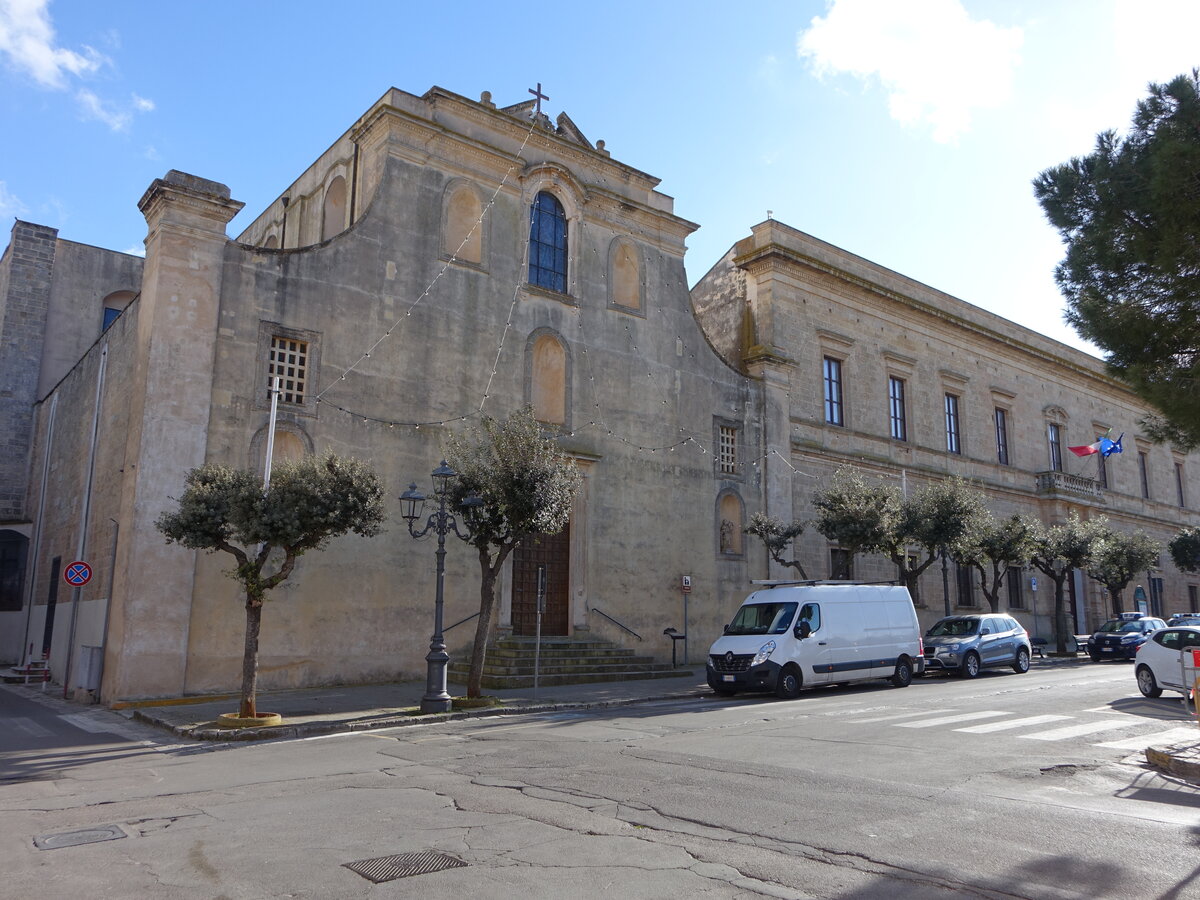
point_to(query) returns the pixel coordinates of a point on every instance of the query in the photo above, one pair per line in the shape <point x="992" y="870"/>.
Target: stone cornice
<point x="768" y="255"/>
<point x="204" y="198"/>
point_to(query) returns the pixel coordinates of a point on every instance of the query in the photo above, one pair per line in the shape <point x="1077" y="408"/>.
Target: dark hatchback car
<point x="1120" y="638"/>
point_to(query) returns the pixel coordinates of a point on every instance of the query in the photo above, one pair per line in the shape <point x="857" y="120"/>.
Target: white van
<point x="790" y="635"/>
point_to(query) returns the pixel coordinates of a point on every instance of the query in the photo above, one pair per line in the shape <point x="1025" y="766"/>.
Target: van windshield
<point x="763" y="618"/>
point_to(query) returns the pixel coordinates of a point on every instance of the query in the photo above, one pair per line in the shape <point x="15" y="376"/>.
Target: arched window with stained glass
<point x="548" y="243"/>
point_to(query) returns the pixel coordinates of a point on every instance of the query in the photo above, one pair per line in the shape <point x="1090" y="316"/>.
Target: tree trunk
<point x="1117" y="605"/>
<point x="912" y="581"/>
<point x="1060" y="612"/>
<point x="489" y="571"/>
<point x="247" y="709"/>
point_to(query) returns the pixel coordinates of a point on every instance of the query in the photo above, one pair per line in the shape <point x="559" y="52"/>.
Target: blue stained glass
<point x="548" y="243"/>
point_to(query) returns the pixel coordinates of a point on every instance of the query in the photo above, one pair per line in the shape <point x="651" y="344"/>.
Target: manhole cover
<point x="74" y="838"/>
<point x="389" y="868"/>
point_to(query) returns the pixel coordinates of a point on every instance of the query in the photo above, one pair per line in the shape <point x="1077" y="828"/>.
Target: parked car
<point x="1158" y="661"/>
<point x="1120" y="638"/>
<point x="1183" y="619"/>
<point x="968" y="644"/>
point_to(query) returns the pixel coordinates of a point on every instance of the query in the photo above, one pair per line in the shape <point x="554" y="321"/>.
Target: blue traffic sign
<point x="78" y="574"/>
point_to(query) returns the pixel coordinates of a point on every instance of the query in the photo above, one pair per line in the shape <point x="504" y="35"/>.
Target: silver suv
<point x="968" y="644"/>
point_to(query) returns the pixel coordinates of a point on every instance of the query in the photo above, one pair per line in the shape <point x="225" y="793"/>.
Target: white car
<point x="1157" y="664"/>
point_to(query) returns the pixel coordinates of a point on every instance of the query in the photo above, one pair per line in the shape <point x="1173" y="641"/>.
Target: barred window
<point x="288" y="359"/>
<point x="727" y="436"/>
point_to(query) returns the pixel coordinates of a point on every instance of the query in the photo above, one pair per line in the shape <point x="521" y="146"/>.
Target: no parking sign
<point x="77" y="574"/>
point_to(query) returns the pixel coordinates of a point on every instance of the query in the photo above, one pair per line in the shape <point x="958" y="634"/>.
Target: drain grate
<point x="75" y="838"/>
<point x="389" y="868"/>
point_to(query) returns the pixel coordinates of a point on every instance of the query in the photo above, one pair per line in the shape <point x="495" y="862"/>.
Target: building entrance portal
<point x="553" y="552"/>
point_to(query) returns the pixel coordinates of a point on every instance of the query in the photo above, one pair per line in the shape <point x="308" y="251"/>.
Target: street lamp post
<point x="441" y="522"/>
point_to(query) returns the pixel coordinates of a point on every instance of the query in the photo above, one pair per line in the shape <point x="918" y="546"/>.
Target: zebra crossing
<point x="1097" y="727"/>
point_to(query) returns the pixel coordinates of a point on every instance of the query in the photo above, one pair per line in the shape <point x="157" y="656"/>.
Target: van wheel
<point x="788" y="687"/>
<point x="1146" y="683"/>
<point x="970" y="665"/>
<point x="1021" y="663"/>
<point x="904" y="673"/>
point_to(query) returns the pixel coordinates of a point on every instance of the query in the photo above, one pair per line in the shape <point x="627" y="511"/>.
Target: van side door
<point x="814" y="653"/>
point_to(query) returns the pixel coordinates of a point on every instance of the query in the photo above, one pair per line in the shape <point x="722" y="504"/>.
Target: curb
<point x="1166" y="760"/>
<point x="208" y="731"/>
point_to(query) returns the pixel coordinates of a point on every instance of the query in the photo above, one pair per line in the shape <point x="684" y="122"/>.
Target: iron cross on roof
<point x="540" y="97"/>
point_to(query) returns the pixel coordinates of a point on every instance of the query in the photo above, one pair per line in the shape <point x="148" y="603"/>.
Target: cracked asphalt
<point x="828" y="796"/>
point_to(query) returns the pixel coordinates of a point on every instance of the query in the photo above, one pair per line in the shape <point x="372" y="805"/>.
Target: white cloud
<point x="137" y="250"/>
<point x="27" y="40"/>
<point x="95" y="108"/>
<point x="108" y="113"/>
<point x="936" y="63"/>
<point x="10" y="206"/>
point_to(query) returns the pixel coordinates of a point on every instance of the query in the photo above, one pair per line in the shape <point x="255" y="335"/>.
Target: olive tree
<point x="858" y="516"/>
<point x="996" y="549"/>
<point x="1185" y="550"/>
<point x="776" y="537"/>
<point x="934" y="517"/>
<point x="308" y="502"/>
<point x="527" y="485"/>
<point x="1118" y="557"/>
<point x="1058" y="551"/>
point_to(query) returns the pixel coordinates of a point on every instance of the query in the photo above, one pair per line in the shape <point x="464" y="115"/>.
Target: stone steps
<point x="510" y="663"/>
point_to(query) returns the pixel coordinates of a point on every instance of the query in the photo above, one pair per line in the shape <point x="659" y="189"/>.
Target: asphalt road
<point x="1007" y="786"/>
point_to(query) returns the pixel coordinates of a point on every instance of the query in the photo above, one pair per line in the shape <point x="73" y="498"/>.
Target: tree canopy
<point x="1118" y="557"/>
<point x="1058" y="551"/>
<point x="935" y="516"/>
<point x="995" y="549"/>
<point x="1129" y="214"/>
<point x="527" y="484"/>
<point x="860" y="517"/>
<point x="1185" y="550"/>
<point x="308" y="502"/>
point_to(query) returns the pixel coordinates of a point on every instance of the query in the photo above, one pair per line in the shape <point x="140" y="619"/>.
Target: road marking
<point x="989" y="727"/>
<point x="31" y="727"/>
<point x="1071" y="731"/>
<point x="907" y="715"/>
<point x="946" y="720"/>
<point x="90" y="724"/>
<point x="1174" y="736"/>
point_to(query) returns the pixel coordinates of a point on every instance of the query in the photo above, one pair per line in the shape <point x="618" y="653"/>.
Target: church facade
<point x="446" y="259"/>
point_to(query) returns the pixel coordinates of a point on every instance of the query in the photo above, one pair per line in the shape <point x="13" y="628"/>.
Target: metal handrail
<point x="601" y="612"/>
<point x="461" y="622"/>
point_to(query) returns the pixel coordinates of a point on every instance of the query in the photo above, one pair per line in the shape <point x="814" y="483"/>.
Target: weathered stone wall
<point x="640" y="385"/>
<point x="27" y="269"/>
<point x="811" y="300"/>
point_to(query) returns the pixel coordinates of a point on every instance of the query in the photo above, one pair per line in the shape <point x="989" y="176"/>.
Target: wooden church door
<point x="553" y="552"/>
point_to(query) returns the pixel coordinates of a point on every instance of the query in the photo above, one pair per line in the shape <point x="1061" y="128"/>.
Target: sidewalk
<point x="338" y="708"/>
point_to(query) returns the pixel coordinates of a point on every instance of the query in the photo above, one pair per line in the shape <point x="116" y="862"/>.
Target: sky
<point x="907" y="132"/>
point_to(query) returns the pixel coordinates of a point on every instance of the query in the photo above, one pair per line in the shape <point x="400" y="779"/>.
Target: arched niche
<point x="333" y="213"/>
<point x="624" y="275"/>
<point x="548" y="378"/>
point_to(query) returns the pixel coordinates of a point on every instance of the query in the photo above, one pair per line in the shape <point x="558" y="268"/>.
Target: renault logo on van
<point x="728" y="657"/>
